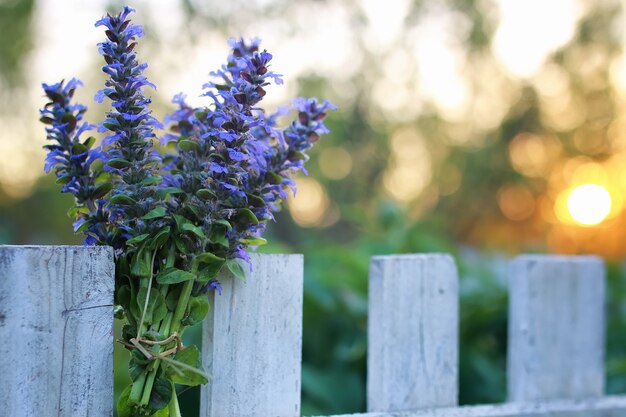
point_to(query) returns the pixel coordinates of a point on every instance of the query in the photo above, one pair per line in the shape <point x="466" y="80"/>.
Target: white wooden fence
<point x="56" y="337"/>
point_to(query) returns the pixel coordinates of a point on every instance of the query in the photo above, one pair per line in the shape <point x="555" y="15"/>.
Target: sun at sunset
<point x="589" y="204"/>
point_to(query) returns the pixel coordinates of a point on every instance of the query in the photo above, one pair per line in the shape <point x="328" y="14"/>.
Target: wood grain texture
<point x="413" y="332"/>
<point x="604" y="407"/>
<point x="252" y="342"/>
<point x="556" y="327"/>
<point x="56" y="327"/>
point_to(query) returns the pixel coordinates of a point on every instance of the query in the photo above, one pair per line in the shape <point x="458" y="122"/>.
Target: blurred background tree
<point x="478" y="127"/>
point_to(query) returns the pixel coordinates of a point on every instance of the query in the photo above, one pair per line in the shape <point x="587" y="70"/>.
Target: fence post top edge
<point x="276" y="255"/>
<point x="413" y="256"/>
<point x="97" y="249"/>
<point x="556" y="258"/>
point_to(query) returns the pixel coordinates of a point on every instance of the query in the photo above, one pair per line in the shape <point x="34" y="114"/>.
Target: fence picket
<point x="56" y="327"/>
<point x="413" y="332"/>
<point x="252" y="342"/>
<point x="556" y="327"/>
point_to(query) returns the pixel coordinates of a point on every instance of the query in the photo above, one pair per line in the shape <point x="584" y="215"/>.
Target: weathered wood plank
<point x="56" y="327"/>
<point x="252" y="342"/>
<point x="413" y="332"/>
<point x="604" y="407"/>
<point x="556" y="327"/>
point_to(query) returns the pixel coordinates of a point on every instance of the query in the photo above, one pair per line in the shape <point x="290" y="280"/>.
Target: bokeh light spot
<point x="516" y="202"/>
<point x="335" y="163"/>
<point x="311" y="205"/>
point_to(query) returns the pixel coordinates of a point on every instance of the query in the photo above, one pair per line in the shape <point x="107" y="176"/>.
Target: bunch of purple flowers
<point x="179" y="217"/>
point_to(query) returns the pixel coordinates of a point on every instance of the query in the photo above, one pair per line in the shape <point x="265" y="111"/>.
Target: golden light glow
<point x="531" y="155"/>
<point x="335" y="163"/>
<point x="589" y="204"/>
<point x="410" y="171"/>
<point x="309" y="208"/>
<point x="522" y="51"/>
<point x="516" y="202"/>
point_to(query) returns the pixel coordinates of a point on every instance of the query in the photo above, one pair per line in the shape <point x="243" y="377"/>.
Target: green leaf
<point x="122" y="200"/>
<point x="111" y="126"/>
<point x="188" y="145"/>
<point x="78" y="148"/>
<point x="84" y="226"/>
<point x="174" y="276"/>
<point x="123" y="296"/>
<point x="102" y="190"/>
<point x="71" y="121"/>
<point x="160" y="239"/>
<point x="255" y="200"/>
<point x="218" y="236"/>
<point x="137" y="239"/>
<point x="198" y="309"/>
<point x="296" y="156"/>
<point x="201" y="115"/>
<point x="135" y="312"/>
<point x="237" y="268"/>
<point x="253" y="241"/>
<point x="136" y="365"/>
<point x="192" y="210"/>
<point x="192" y="228"/>
<point x="208" y="272"/>
<point x="119" y="312"/>
<point x="208" y="258"/>
<point x="159" y="309"/>
<point x="156" y="307"/>
<point x="63" y="180"/>
<point x="164" y="412"/>
<point x="163" y="192"/>
<point x="189" y="356"/>
<point x="141" y="302"/>
<point x="246" y="216"/>
<point x="206" y="194"/>
<point x="124" y="408"/>
<point x="181" y="245"/>
<point x="140" y="264"/>
<point x="118" y="163"/>
<point x="74" y="211"/>
<point x="180" y="220"/>
<point x="172" y="298"/>
<point x="155" y="179"/>
<point x="128" y="332"/>
<point x="273" y="178"/>
<point x="89" y="142"/>
<point x="155" y="213"/>
<point x="161" y="394"/>
<point x="223" y="223"/>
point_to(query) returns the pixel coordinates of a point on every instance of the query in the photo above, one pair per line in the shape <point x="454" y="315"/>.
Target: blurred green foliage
<point x="335" y="316"/>
<point x="15" y="19"/>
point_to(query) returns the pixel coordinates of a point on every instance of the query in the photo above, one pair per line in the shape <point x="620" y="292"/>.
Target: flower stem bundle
<point x="182" y="215"/>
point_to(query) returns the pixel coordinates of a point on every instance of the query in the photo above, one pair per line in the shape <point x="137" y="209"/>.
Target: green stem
<point x="164" y="329"/>
<point x="181" y="307"/>
<point x="174" y="407"/>
<point x="137" y="389"/>
<point x="142" y="386"/>
<point x="145" y="305"/>
<point x="169" y="325"/>
<point x="145" y="398"/>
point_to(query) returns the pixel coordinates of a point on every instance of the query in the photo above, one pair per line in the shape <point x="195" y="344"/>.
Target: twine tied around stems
<point x="137" y="343"/>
